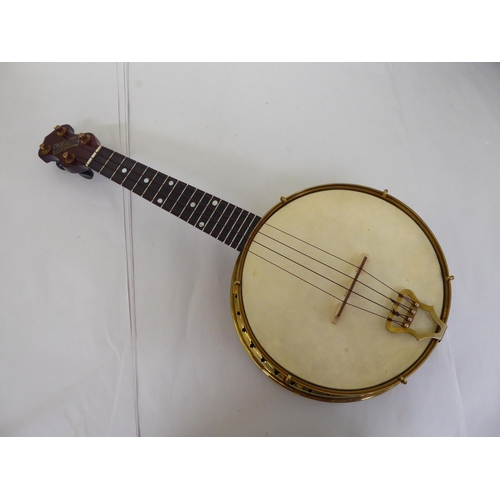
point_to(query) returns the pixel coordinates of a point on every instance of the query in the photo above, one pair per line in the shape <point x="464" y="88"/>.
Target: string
<point x="237" y="234"/>
<point x="113" y="164"/>
<point x="337" y="257"/>
<point x="324" y="291"/>
<point x="324" y="277"/>
<point x="407" y="309"/>
<point x="326" y="265"/>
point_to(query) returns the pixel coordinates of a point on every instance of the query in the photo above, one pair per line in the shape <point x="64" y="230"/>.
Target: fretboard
<point x="212" y="215"/>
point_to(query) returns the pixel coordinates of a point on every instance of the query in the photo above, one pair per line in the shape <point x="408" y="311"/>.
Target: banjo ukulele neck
<point x="208" y="213"/>
<point x="83" y="154"/>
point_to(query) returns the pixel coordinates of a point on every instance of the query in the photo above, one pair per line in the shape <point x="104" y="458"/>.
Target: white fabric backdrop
<point x="115" y="316"/>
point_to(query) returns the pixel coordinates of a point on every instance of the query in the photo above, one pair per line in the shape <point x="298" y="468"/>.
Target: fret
<point x="204" y="215"/>
<point x="241" y="243"/>
<point x="129" y="178"/>
<point x="209" y="212"/>
<point x="106" y="162"/>
<point x="125" y="178"/>
<point x="240" y="234"/>
<point x="143" y="181"/>
<point x="134" y="176"/>
<point x="199" y="210"/>
<point x="222" y="220"/>
<point x="230" y="223"/>
<point x="110" y="161"/>
<point x="187" y="203"/>
<point x="157" y="197"/>
<point x="178" y="205"/>
<point x="100" y="158"/>
<point x="220" y="227"/>
<point x="154" y="186"/>
<point x="193" y="205"/>
<point x="117" y="168"/>
<point x="165" y="192"/>
<point x="134" y="188"/>
<point x="215" y="216"/>
<point x="119" y="172"/>
<point x="233" y="235"/>
<point x="171" y="194"/>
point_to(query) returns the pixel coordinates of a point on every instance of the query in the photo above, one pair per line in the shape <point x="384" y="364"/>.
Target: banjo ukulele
<point x="339" y="292"/>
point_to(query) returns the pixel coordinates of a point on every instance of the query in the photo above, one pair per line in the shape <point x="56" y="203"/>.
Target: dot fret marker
<point x="208" y="213"/>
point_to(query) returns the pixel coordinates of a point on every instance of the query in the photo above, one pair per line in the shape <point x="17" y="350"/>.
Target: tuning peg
<point x="88" y="174"/>
<point x="60" y="130"/>
<point x="44" y="149"/>
<point x="84" y="138"/>
<point x="68" y="157"/>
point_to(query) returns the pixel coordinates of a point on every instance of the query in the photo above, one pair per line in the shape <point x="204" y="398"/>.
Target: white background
<point x="115" y="317"/>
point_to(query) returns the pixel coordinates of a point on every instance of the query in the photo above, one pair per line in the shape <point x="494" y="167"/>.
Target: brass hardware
<point x="384" y="194"/>
<point x="279" y="373"/>
<point x="68" y="157"/>
<point x="84" y="138"/>
<point x="45" y="149"/>
<point x="450" y="278"/>
<point x="283" y="199"/>
<point x="236" y="284"/>
<point x="409" y="315"/>
<point x="403" y="380"/>
<point x="60" y="130"/>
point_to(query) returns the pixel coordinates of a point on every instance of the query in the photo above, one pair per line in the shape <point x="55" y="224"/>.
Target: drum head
<point x="295" y="272"/>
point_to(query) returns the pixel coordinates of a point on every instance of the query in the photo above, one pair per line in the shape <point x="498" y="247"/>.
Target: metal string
<point x="326" y="265"/>
<point x="324" y="277"/>
<point x="336" y="257"/>
<point x="312" y="284"/>
<point x="324" y="291"/>
<point x="111" y="163"/>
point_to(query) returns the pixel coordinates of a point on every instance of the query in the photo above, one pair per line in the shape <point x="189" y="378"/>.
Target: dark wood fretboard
<point x="218" y="218"/>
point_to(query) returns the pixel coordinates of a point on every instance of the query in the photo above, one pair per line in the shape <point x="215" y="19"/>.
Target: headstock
<point x="70" y="151"/>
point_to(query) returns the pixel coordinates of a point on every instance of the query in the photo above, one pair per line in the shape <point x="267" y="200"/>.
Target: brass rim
<point x="280" y="374"/>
